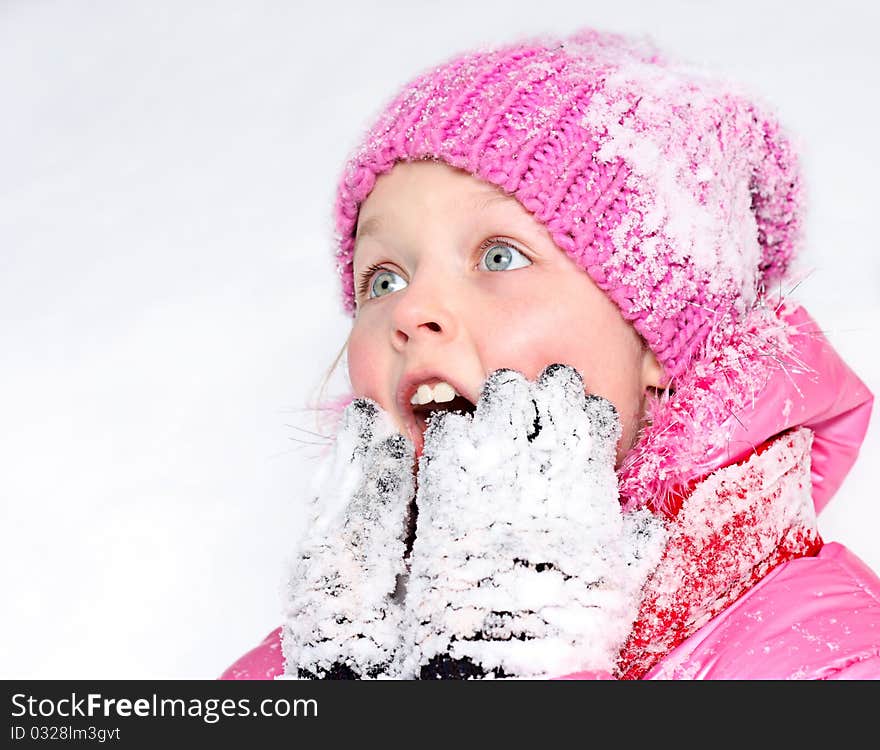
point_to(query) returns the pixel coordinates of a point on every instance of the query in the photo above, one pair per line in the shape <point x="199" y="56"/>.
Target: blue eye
<point x="386" y="282"/>
<point x="501" y="256"/>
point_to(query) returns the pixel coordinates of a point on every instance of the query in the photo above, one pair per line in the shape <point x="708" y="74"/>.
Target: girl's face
<point x="455" y="279"/>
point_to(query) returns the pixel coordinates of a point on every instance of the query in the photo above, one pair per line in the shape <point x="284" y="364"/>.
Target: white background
<point x="168" y="305"/>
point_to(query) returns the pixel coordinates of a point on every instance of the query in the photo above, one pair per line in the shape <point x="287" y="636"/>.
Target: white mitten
<point x="342" y="619"/>
<point x="524" y="564"/>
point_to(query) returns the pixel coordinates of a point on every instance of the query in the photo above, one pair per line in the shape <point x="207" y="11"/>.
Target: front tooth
<point x="443" y="392"/>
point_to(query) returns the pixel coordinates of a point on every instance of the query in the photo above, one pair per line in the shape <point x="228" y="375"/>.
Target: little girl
<point x="588" y="436"/>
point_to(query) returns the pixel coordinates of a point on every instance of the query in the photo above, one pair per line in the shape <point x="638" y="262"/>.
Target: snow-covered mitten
<point x="524" y="564"/>
<point x="342" y="619"/>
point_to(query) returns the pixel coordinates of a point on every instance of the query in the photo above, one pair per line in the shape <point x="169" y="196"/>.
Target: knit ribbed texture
<point x="672" y="189"/>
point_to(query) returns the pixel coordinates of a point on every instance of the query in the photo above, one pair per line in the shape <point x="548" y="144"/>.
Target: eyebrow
<point x="481" y="202"/>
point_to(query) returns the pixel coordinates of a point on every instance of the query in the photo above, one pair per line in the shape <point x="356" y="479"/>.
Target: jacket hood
<point x="757" y="377"/>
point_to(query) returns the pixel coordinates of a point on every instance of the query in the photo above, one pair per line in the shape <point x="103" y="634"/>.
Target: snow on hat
<point x="672" y="189"/>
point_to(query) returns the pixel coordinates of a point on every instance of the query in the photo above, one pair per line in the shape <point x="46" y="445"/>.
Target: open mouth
<point x="422" y="413"/>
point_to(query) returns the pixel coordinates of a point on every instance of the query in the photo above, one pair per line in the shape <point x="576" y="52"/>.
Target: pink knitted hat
<point x="672" y="189"/>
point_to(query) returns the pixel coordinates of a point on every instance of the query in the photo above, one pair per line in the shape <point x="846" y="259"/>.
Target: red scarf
<point x="727" y="531"/>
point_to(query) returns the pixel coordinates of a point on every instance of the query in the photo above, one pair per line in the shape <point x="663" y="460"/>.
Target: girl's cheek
<point x="531" y="341"/>
<point x="364" y="366"/>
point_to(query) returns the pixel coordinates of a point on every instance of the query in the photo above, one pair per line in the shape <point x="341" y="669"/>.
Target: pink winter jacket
<point x="747" y="588"/>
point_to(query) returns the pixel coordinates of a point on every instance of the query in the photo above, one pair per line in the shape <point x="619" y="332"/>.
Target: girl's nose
<point x="421" y="312"/>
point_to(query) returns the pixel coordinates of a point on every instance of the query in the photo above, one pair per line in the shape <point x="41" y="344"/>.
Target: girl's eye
<point x="386" y="282"/>
<point x="502" y="256"/>
<point x="498" y="255"/>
